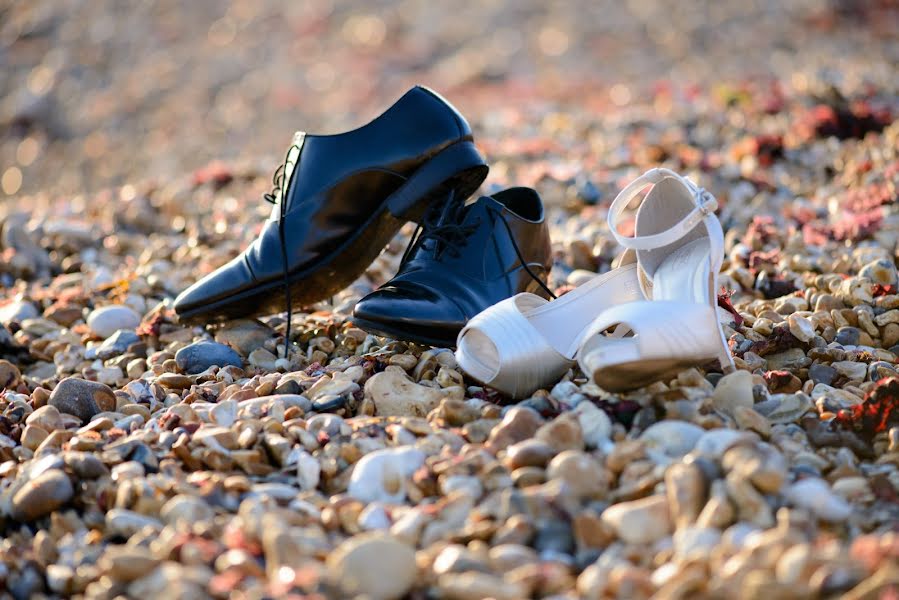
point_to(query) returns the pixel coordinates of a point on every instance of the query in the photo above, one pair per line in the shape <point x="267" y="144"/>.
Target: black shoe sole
<point x="408" y="334"/>
<point x="459" y="168"/>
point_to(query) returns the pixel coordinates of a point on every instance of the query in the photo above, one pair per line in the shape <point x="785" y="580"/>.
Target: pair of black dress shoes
<point x="339" y="199"/>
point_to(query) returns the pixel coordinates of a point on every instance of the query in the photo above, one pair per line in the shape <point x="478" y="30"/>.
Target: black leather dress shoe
<point x="338" y="200"/>
<point x="467" y="259"/>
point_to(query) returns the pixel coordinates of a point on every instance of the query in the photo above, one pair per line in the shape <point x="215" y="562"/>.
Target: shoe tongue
<point x="458" y="214"/>
<point x="480" y="207"/>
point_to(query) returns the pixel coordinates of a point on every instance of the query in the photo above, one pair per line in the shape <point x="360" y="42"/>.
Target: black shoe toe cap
<point x="199" y="300"/>
<point x="411" y="313"/>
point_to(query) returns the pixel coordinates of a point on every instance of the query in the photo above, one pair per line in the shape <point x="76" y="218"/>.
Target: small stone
<point x="106" y="320"/>
<point x="9" y="375"/>
<point x="456" y="558"/>
<point x="183" y="509"/>
<point x="590" y="532"/>
<point x="308" y="471"/>
<point x="791" y="564"/>
<point x="517" y="425"/>
<point x="822" y="373"/>
<point x="127" y="563"/>
<point x="263" y="359"/>
<point x="554" y="536"/>
<point x="880" y="369"/>
<point x="733" y="390"/>
<point x="32" y="436"/>
<point x="596" y="427"/>
<point x="793" y="358"/>
<point x="718" y="512"/>
<point x="686" y="489"/>
<point x="750" y="503"/>
<point x="85" y="465"/>
<point x="126" y="523"/>
<point x="562" y="433"/>
<point x="477" y="586"/>
<point x="853" y="489"/>
<point x="584" y="474"/>
<point x="224" y="413"/>
<point x="59" y="578"/>
<point x="116" y="344"/>
<point x="377" y="565"/>
<point x="404" y="361"/>
<point x="714" y="443"/>
<point x="448" y="378"/>
<point x="288" y="387"/>
<point x="643" y="521"/>
<point x="381" y="475"/>
<point x="82" y="398"/>
<point x="695" y="542"/>
<point x="457" y="413"/>
<point x="66" y="315"/>
<point x="329" y="403"/>
<point x="801" y="328"/>
<point x="592" y="582"/>
<point x="17" y="311"/>
<point x="672" y="439"/>
<point x="890" y="335"/>
<point x="506" y="557"/>
<point x="848" y="336"/>
<point x="174" y="381"/>
<point x="785" y="408"/>
<point x="216" y="437"/>
<point x="529" y="453"/>
<point x="523" y="477"/>
<point x="244" y="335"/>
<point x="199" y="356"/>
<point x="327" y="386"/>
<point x="624" y="453"/>
<point x="46" y="417"/>
<point x="827" y="302"/>
<point x="879" y="585"/>
<point x="395" y="395"/>
<point x="42" y="495"/>
<point x="749" y="418"/>
<point x="763" y="465"/>
<point x="136" y="368"/>
<point x="881" y="271"/>
<point x="110" y="375"/>
<point x="854" y="371"/>
<point x="815" y="495"/>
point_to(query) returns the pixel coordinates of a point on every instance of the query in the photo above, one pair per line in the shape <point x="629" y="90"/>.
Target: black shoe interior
<point x="522" y="201"/>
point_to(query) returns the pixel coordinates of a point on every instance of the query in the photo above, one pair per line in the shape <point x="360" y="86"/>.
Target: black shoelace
<point x="521" y="259"/>
<point x="451" y="236"/>
<point x="441" y="227"/>
<point x="276" y="196"/>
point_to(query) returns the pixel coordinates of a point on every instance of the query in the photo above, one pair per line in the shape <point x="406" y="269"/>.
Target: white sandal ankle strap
<point x="706" y="204"/>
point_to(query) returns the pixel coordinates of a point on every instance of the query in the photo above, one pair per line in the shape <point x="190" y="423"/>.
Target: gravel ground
<point x="143" y="458"/>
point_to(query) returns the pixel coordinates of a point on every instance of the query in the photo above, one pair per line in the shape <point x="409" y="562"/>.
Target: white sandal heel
<point x="524" y="343"/>
<point x="679" y="261"/>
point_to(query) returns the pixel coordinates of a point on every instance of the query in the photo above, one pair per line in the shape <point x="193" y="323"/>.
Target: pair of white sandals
<point x="644" y="321"/>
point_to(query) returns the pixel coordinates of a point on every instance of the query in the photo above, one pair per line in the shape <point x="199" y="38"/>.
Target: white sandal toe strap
<point x="502" y="349"/>
<point x="706" y="204"/>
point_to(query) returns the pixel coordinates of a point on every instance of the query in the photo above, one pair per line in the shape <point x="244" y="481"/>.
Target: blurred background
<point x="95" y="93"/>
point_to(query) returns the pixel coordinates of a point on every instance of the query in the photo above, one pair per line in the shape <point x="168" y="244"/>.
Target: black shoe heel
<point x="459" y="168"/>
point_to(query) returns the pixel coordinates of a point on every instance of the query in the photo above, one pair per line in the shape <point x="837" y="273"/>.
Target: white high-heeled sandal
<point x="680" y="248"/>
<point x="524" y="343"/>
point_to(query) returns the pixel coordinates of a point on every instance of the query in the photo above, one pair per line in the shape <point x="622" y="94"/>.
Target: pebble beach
<point x="144" y="458"/>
